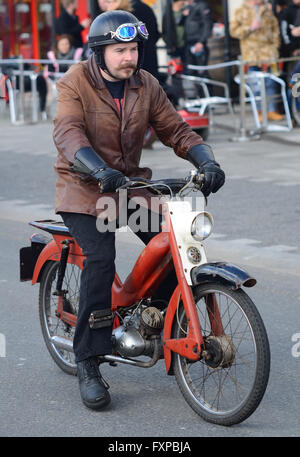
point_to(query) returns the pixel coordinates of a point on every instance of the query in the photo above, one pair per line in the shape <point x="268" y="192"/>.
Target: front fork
<point x="192" y="346"/>
<point x="214" y="315"/>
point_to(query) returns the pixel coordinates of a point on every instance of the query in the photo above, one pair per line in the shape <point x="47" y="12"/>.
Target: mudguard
<point x="223" y="272"/>
<point x="29" y="255"/>
<point x="50" y="252"/>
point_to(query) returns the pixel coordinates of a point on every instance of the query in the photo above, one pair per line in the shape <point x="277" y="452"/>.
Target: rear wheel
<point x="227" y="385"/>
<point x="52" y="325"/>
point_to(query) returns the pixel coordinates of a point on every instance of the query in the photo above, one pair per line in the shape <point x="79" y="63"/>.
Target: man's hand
<point x="295" y="31"/>
<point x="89" y="163"/>
<point x="198" y="47"/>
<point x="214" y="177"/>
<point x="202" y="157"/>
<point x="256" y="25"/>
<point x="109" y="179"/>
<point x="85" y="23"/>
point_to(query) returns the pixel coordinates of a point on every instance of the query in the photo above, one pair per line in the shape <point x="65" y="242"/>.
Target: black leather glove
<point x="109" y="179"/>
<point x="88" y="162"/>
<point x="202" y="157"/>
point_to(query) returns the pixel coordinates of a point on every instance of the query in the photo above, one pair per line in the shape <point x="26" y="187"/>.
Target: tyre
<point x="295" y="105"/>
<point x="51" y="324"/>
<point x="227" y="385"/>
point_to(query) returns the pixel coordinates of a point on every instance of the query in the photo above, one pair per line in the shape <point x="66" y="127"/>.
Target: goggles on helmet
<point x="128" y="32"/>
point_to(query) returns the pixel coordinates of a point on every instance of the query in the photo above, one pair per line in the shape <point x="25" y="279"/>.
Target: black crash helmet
<point x="113" y="27"/>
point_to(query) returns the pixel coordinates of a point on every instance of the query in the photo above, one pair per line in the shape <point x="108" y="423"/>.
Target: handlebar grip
<point x="200" y="179"/>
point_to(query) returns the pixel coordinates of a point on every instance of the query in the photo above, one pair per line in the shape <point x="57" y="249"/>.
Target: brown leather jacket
<point x="88" y="116"/>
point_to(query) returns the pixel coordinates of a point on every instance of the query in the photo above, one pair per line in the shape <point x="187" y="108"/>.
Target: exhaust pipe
<point x="137" y="363"/>
<point x="116" y="359"/>
<point x="62" y="343"/>
<point x="67" y="345"/>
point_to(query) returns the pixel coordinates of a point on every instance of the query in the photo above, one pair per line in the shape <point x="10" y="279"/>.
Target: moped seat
<point x="51" y="226"/>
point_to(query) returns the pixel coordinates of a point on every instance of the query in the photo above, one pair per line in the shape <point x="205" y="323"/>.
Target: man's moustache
<point x="126" y="67"/>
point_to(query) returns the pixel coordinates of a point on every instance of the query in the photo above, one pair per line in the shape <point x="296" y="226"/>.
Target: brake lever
<point x="199" y="180"/>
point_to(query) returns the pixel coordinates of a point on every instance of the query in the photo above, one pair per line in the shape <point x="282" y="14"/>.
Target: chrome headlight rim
<point x="195" y="234"/>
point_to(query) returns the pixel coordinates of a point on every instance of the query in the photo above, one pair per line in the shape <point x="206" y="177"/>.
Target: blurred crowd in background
<point x="263" y="30"/>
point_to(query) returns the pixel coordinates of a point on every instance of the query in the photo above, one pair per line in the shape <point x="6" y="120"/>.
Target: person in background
<point x="290" y="31"/>
<point x="290" y="28"/>
<point x="124" y="5"/>
<point x="100" y="7"/>
<point x="145" y="14"/>
<point x="63" y="50"/>
<point x="257" y="29"/>
<point x="173" y="28"/>
<point x="96" y="8"/>
<point x="278" y="7"/>
<point x="68" y="22"/>
<point x="198" y="28"/>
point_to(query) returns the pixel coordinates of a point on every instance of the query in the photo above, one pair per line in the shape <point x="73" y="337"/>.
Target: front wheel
<point x="227" y="385"/>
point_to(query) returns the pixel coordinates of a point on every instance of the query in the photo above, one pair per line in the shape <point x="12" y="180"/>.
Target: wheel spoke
<point x="221" y="384"/>
<point x="53" y="325"/>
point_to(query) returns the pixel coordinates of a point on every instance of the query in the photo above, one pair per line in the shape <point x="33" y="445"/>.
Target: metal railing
<point x="18" y="116"/>
<point x="243" y="134"/>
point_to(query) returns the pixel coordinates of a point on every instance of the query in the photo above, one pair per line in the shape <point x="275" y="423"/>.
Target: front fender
<point x="223" y="272"/>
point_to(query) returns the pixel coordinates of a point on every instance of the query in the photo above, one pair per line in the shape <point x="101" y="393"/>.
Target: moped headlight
<point x="202" y="226"/>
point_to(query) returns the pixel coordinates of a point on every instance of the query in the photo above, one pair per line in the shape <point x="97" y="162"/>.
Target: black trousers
<point x="97" y="279"/>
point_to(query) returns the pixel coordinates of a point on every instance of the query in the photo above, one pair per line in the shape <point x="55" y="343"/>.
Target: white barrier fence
<point x="18" y="118"/>
<point x="239" y="65"/>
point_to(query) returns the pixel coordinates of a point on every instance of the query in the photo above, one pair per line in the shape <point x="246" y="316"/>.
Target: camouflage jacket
<point x="259" y="45"/>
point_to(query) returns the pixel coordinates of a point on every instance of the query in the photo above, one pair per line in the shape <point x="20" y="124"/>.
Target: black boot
<point x="93" y="388"/>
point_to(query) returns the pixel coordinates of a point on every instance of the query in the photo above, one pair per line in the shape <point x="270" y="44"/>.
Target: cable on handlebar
<point x="173" y="185"/>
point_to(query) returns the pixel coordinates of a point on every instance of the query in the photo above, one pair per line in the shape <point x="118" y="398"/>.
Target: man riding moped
<point x="104" y="107"/>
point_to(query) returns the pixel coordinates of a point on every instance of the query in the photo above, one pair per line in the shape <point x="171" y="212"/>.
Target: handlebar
<point x="166" y="186"/>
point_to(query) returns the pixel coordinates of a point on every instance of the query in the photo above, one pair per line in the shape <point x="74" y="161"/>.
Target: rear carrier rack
<point x="51" y="226"/>
<point x="28" y="255"/>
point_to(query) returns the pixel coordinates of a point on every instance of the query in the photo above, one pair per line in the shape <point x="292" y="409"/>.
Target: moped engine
<point x="137" y="334"/>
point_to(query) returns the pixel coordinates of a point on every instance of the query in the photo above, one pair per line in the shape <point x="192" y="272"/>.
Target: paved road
<point x="257" y="217"/>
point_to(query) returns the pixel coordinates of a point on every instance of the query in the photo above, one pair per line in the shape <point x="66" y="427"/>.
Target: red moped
<point x="210" y="334"/>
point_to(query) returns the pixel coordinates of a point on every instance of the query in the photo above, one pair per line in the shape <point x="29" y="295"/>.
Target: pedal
<point x="101" y="318"/>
